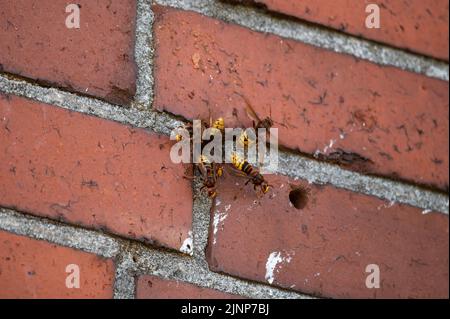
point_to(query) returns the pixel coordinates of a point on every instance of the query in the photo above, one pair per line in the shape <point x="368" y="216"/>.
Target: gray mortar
<point x="193" y="270"/>
<point x="258" y="20"/>
<point x="323" y="173"/>
<point x="150" y="261"/>
<point x="200" y="220"/>
<point x="143" y="55"/>
<point x="159" y="122"/>
<point x="40" y="228"/>
<point x="124" y="284"/>
<point x="289" y="164"/>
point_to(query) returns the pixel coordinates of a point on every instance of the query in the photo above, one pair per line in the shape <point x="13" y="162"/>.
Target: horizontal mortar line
<point x="258" y="20"/>
<point x="158" y="122"/>
<point x="168" y="263"/>
<point x="191" y="270"/>
<point x="55" y="232"/>
<point x="293" y="165"/>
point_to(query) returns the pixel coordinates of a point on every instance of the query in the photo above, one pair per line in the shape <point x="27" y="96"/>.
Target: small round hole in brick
<point x="299" y="197"/>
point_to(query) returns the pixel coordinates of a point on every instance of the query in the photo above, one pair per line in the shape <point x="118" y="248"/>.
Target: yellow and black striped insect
<point x="217" y="124"/>
<point x="244" y="169"/>
<point x="188" y="127"/>
<point x="247" y="138"/>
<point x="210" y="173"/>
<point x="209" y="170"/>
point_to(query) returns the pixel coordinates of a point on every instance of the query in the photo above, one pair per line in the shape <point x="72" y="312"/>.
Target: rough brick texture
<point x="324" y="248"/>
<point x="151" y="287"/>
<point x="366" y="117"/>
<point x="92" y="172"/>
<point x="97" y="59"/>
<point x="36" y="269"/>
<point x="417" y="25"/>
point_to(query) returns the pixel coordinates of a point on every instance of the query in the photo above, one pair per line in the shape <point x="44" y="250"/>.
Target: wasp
<point x="187" y="127"/>
<point x="218" y="124"/>
<point x="247" y="138"/>
<point x="179" y="137"/>
<point x="209" y="170"/>
<point x="266" y="123"/>
<point x="244" y="169"/>
<point x="210" y="173"/>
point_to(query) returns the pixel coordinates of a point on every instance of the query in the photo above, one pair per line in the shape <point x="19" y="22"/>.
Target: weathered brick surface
<point x="36" y="269"/>
<point x="152" y="287"/>
<point x="375" y="119"/>
<point x="97" y="59"/>
<point x="324" y="248"/>
<point x="420" y="26"/>
<point x="92" y="172"/>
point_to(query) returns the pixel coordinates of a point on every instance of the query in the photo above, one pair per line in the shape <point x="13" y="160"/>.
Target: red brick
<point x="329" y="242"/>
<point x="92" y="172"/>
<point x="152" y="287"/>
<point x="97" y="59"/>
<point x="392" y="122"/>
<point x="37" y="269"/>
<point x="420" y="26"/>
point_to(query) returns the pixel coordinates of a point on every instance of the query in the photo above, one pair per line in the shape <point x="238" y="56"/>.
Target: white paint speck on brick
<point x="391" y="203"/>
<point x="219" y="218"/>
<point x="273" y="265"/>
<point x="187" y="246"/>
<point x="329" y="146"/>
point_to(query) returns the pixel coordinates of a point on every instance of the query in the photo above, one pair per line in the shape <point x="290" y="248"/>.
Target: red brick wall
<point x="37" y="269"/>
<point x="394" y="119"/>
<point x="418" y="26"/>
<point x="83" y="168"/>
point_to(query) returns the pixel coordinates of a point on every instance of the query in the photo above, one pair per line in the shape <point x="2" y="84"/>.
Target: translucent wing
<point x="202" y="169"/>
<point x="249" y="110"/>
<point x="235" y="172"/>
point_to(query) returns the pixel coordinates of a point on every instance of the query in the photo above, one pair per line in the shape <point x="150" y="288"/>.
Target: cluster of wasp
<point x="210" y="171"/>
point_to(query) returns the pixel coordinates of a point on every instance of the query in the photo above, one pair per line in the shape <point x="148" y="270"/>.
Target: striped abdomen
<point x="207" y="169"/>
<point x="246" y="167"/>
